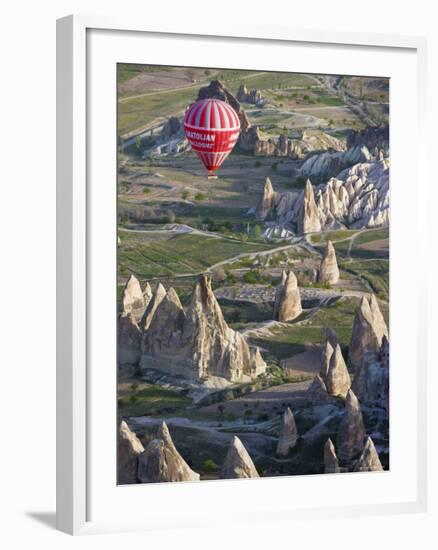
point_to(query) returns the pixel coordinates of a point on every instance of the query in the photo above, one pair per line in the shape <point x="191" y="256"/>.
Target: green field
<point x="169" y="255"/>
<point x="290" y="339"/>
<point x="142" y="109"/>
<point x="139" y="399"/>
<point x="375" y="272"/>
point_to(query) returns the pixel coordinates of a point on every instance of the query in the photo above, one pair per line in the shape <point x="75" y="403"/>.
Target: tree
<point x="257" y="231"/>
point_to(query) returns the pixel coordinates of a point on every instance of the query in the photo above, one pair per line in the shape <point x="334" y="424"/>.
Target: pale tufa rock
<point x="369" y="460"/>
<point x="132" y="298"/>
<point x="351" y="431"/>
<point x="266" y="202"/>
<point x="328" y="270"/>
<point x="288" y="435"/>
<point x="129" y="448"/>
<point x="198" y="343"/>
<point x="369" y="328"/>
<point x="238" y="463"/>
<point x="155" y="301"/>
<point x="317" y="392"/>
<point x="287" y="298"/>
<point x="338" y="380"/>
<point x="129" y="340"/>
<point x="331" y="463"/>
<point x="308" y="218"/>
<point x="161" y="462"/>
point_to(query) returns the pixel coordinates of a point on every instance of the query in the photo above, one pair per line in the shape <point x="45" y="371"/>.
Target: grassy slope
<point x="176" y="254"/>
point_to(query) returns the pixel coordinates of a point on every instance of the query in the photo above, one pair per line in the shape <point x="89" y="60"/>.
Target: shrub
<point x="257" y="164"/>
<point x="250" y="277"/>
<point x="185" y="195"/>
<point x="210" y="465"/>
<point x="146" y="190"/>
<point x="200" y="197"/>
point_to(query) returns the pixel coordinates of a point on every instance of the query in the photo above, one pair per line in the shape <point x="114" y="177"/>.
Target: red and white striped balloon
<point x="212" y="128"/>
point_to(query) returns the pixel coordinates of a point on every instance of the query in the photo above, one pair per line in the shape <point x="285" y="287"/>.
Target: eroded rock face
<point x="238" y="463"/>
<point x="331" y="463"/>
<point x="166" y="325"/>
<point x="129" y="340"/>
<point x="351" y="432"/>
<point x="154" y="302"/>
<point x="198" y="343"/>
<point x="371" y="382"/>
<point x="369" y="328"/>
<point x="338" y="380"/>
<point x="287" y="298"/>
<point x="373" y="138"/>
<point x="129" y="448"/>
<point x="329" y="271"/>
<point x="357" y="197"/>
<point x="329" y="164"/>
<point x="132" y="298"/>
<point x="161" y="462"/>
<point x="308" y="218"/>
<point x="326" y="355"/>
<point x="288" y="435"/>
<point x="266" y="201"/>
<point x="147" y="295"/>
<point x="317" y="392"/>
<point x="369" y="460"/>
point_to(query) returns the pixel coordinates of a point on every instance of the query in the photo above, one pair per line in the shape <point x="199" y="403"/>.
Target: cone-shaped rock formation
<point x="129" y="448"/>
<point x="326" y="355"/>
<point x="331" y="464"/>
<point x="288" y="434"/>
<point x="238" y="463"/>
<point x="369" y="328"/>
<point x="351" y="431"/>
<point x="338" y="380"/>
<point x="328" y="270"/>
<point x="162" y="462"/>
<point x="317" y="392"/>
<point x="371" y="382"/>
<point x="154" y="302"/>
<point x="198" y="343"/>
<point x="132" y="298"/>
<point x="287" y="299"/>
<point x="308" y="218"/>
<point x="129" y="340"/>
<point x="266" y="202"/>
<point x="369" y="460"/>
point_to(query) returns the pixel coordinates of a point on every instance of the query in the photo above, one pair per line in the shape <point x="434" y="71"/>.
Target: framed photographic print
<point x="238" y="327"/>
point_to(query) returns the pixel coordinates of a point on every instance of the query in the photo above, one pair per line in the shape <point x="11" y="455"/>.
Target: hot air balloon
<point x="212" y="128"/>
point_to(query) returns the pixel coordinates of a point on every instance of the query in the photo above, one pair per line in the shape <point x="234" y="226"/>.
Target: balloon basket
<point x="212" y="176"/>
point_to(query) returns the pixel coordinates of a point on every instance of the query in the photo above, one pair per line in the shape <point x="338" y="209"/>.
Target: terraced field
<point x="168" y="254"/>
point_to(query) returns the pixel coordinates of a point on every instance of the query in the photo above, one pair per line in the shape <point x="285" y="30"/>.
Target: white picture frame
<point x="75" y="326"/>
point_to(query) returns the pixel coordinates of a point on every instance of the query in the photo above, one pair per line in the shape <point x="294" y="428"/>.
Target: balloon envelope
<point x="212" y="129"/>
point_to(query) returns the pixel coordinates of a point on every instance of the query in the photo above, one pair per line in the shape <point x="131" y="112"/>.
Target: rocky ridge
<point x="197" y="343"/>
<point x="357" y="197"/>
